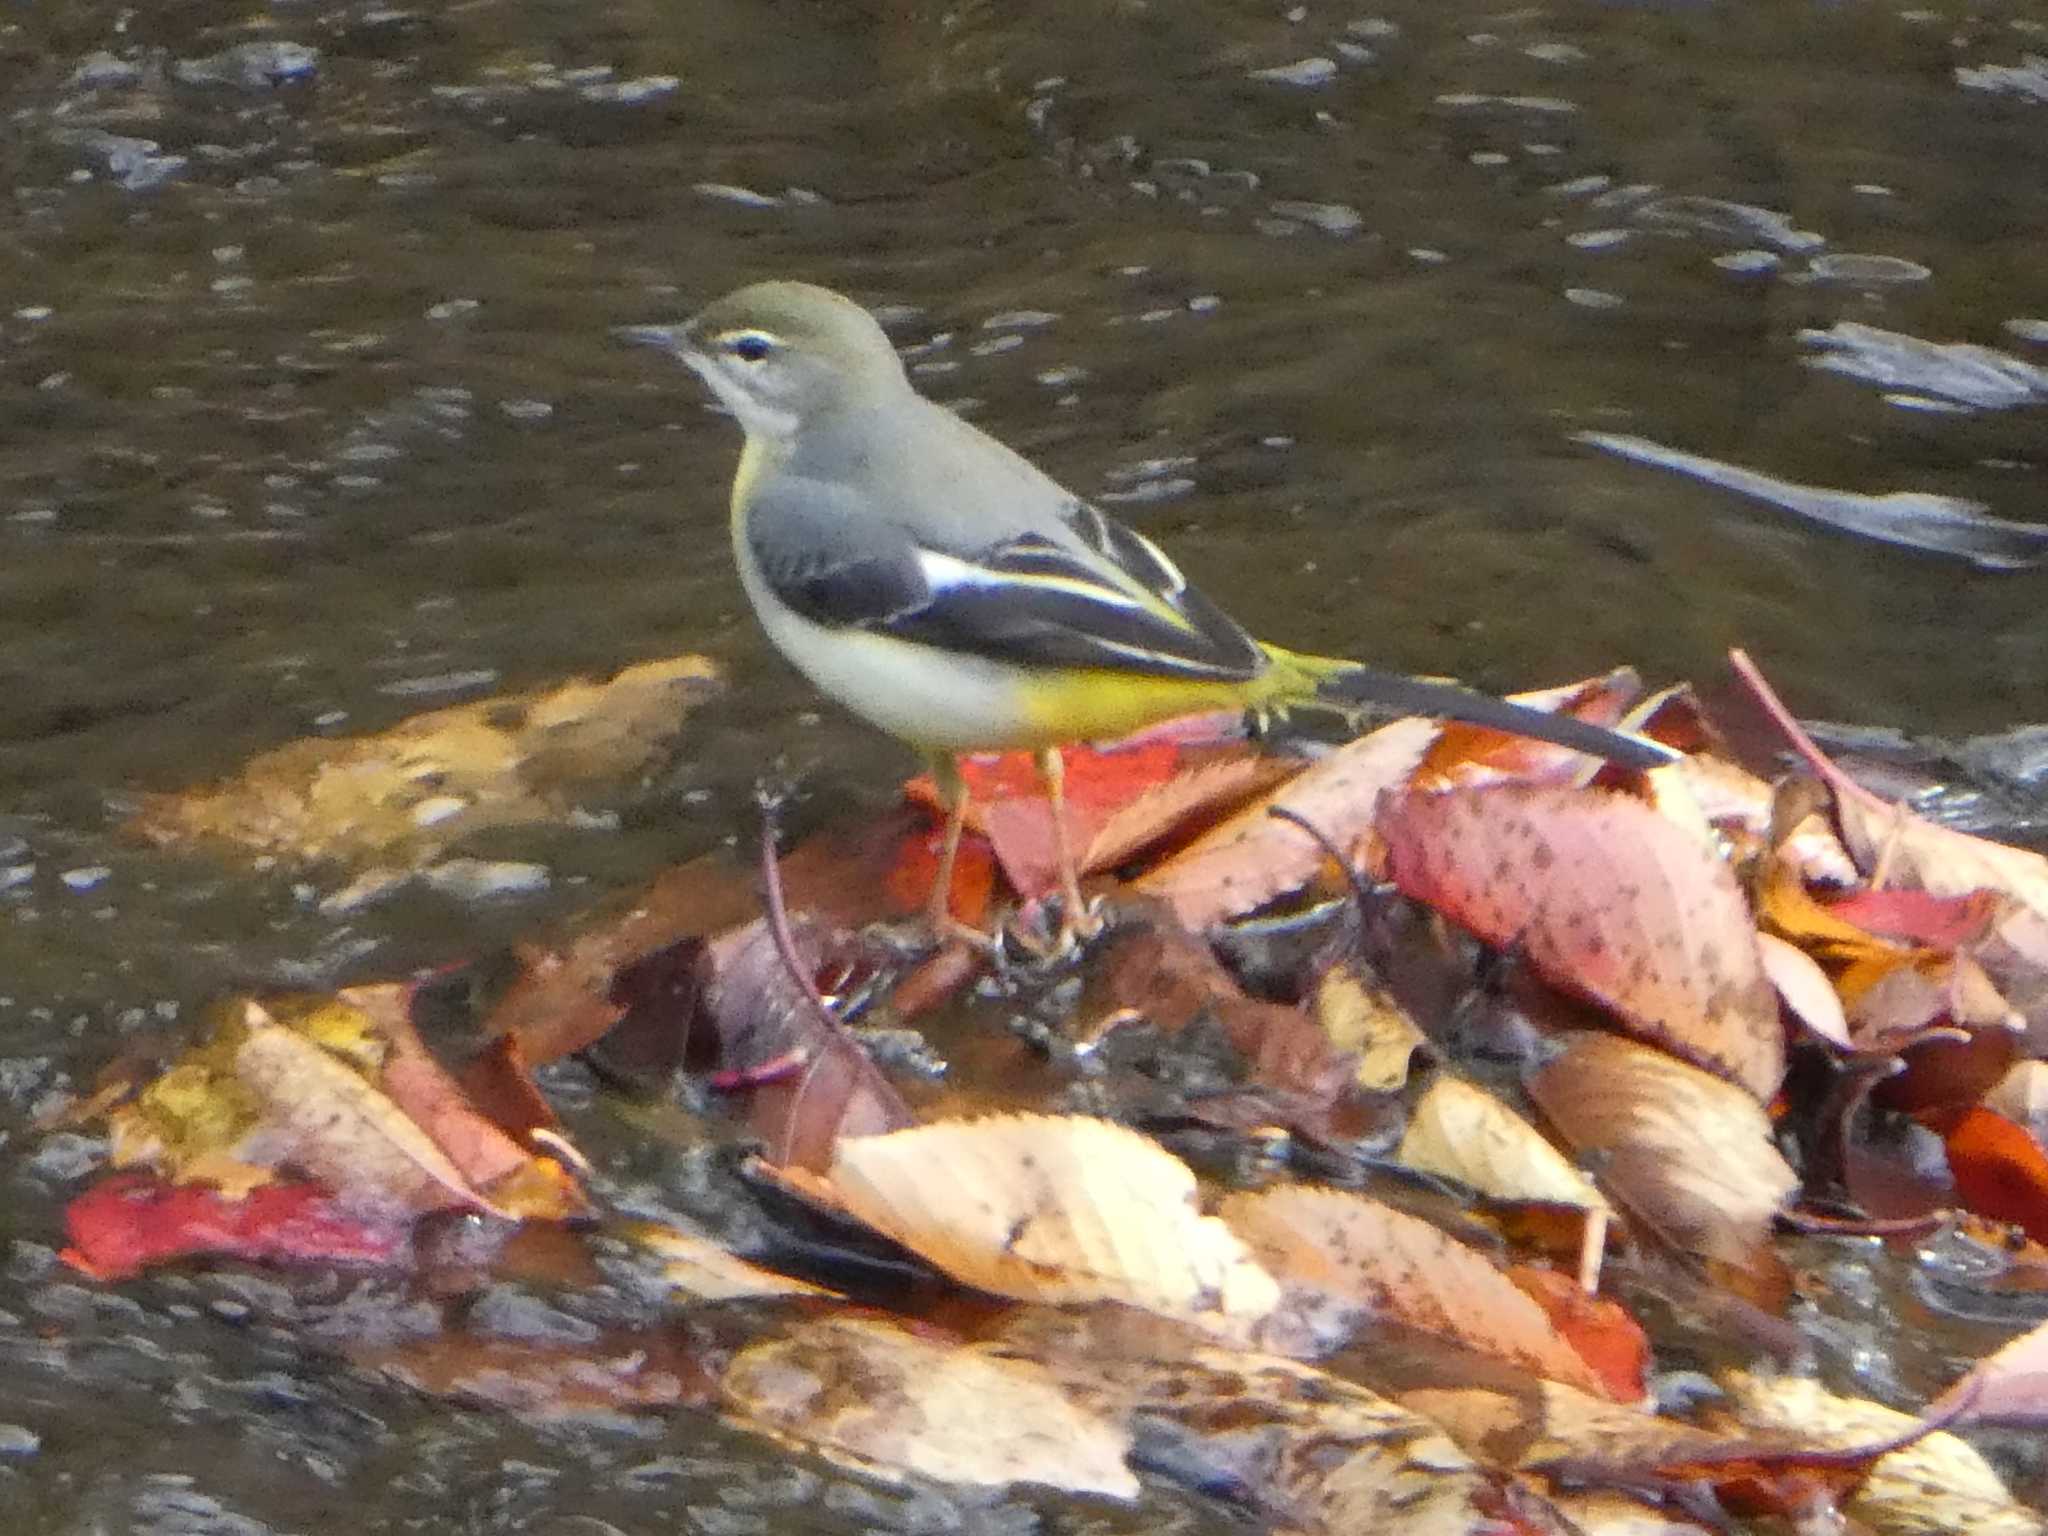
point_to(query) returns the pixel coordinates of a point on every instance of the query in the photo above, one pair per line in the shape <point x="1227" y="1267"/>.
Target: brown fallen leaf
<point x="896" y="1402"/>
<point x="1605" y="898"/>
<point x="1937" y="1486"/>
<point x="1690" y="1155"/>
<point x="406" y="793"/>
<point x="1170" y="977"/>
<point x="341" y="1130"/>
<point x="1254" y="857"/>
<point x="1554" y="1422"/>
<point x="1058" y="1209"/>
<point x="593" y="1378"/>
<point x="1393" y="1267"/>
<point x="1318" y="1454"/>
<point x="1460" y="1131"/>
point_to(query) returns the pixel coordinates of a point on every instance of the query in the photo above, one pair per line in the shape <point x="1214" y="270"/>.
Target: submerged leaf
<point x="902" y="1403"/>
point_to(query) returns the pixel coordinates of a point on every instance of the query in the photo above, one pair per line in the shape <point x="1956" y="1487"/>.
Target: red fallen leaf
<point x="500" y="1084"/>
<point x="909" y="881"/>
<point x="1920" y="917"/>
<point x="1599" y="1329"/>
<point x="1119" y="799"/>
<point x="1604" y="898"/>
<point x="129" y="1223"/>
<point x="2000" y="1170"/>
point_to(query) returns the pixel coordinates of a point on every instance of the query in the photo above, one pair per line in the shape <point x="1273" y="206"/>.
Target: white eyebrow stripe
<point x="943" y="572"/>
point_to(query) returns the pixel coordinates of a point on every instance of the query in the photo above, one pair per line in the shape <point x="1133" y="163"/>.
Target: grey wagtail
<point x="942" y="588"/>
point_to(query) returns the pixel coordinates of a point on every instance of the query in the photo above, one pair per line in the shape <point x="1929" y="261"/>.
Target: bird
<point x="943" y="588"/>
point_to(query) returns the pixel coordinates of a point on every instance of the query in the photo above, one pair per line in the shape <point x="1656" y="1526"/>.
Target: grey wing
<point x="1104" y="598"/>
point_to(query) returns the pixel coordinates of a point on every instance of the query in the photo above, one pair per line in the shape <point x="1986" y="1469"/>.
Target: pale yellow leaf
<point x="1366" y="1019"/>
<point x="1462" y="1132"/>
<point x="701" y="1270"/>
<point x="1937" y="1486"/>
<point x="1053" y="1208"/>
<point x="899" y="1402"/>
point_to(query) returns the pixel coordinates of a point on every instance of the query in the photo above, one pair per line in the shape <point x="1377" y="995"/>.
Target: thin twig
<point x="778" y="911"/>
<point x="1352" y="874"/>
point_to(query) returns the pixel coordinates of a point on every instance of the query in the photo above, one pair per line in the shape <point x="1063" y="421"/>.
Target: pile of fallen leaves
<point x="1335" y="1178"/>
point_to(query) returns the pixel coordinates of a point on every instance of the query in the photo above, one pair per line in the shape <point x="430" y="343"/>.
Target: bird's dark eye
<point x="749" y="346"/>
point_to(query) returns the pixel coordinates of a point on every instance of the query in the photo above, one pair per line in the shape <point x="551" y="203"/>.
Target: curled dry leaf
<point x="1360" y="1017"/>
<point x="435" y="778"/>
<point x="1394" y="1267"/>
<point x="1936" y="1486"/>
<point x="1689" y="1155"/>
<point x="339" y="1129"/>
<point x="1605" y="898"/>
<point x="897" y="1402"/>
<point x="1254" y="857"/>
<point x="1895" y="847"/>
<point x="1460" y="1131"/>
<point x="1474" y="754"/>
<point x="1048" y="1208"/>
<point x="1805" y="990"/>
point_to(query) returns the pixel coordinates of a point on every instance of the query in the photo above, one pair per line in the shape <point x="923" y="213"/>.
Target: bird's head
<point x="779" y="354"/>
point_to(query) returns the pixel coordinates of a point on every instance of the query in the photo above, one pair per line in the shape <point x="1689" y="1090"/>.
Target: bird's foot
<point x="1079" y="922"/>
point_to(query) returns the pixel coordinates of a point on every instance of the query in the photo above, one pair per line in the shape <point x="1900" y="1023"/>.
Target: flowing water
<point x="314" y="417"/>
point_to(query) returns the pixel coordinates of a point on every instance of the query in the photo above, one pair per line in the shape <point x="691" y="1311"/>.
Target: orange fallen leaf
<point x="1599" y="1329"/>
<point x="2000" y="1170"/>
<point x="1604" y="898"/>
<point x="433" y="778"/>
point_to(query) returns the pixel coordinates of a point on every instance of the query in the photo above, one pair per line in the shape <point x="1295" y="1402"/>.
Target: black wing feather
<point x="1118" y="604"/>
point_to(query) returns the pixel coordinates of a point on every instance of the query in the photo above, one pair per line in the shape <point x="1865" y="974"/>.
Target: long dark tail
<point x="1353" y="684"/>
